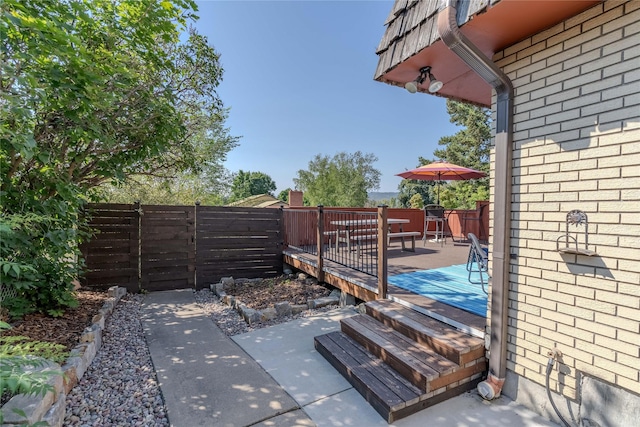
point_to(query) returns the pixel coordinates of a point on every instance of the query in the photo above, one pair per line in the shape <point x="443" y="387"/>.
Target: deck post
<point x="383" y="231"/>
<point x="320" y="243"/>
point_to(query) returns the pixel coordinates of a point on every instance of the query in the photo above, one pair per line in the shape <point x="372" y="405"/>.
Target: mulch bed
<point x="263" y="293"/>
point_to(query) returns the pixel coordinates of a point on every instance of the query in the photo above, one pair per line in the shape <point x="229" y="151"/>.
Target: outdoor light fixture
<point x="434" y="85"/>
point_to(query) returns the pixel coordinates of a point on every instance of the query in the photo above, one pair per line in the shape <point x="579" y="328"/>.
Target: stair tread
<point x="439" y="363"/>
<point x="446" y="340"/>
<point x="394" y="381"/>
<point x="404" y="362"/>
<point x="392" y="396"/>
<point x="369" y="384"/>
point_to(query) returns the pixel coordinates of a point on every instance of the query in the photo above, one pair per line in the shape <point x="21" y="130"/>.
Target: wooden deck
<point x="426" y="256"/>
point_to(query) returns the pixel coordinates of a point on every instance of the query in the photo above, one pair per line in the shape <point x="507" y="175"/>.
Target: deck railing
<point x="353" y="238"/>
<point x="322" y="232"/>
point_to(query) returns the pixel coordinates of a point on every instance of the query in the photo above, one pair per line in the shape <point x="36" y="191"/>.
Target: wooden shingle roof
<point x="411" y="40"/>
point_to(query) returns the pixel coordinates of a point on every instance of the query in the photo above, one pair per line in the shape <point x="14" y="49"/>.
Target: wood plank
<point x="235" y="223"/>
<point x="418" y="373"/>
<point x="438" y="363"/>
<point x="238" y="243"/>
<point x="403" y="388"/>
<point x="244" y="256"/>
<point x="360" y="378"/>
<point x="167" y="285"/>
<point x="152" y="276"/>
<point x="108" y="259"/>
<point x="106" y="243"/>
<point x="420" y="302"/>
<point x="159" y="263"/>
<point x="433" y="400"/>
<point x="114" y="228"/>
<point x="240" y="270"/>
<point x="458" y="374"/>
<point x="457" y="346"/>
<point x="217" y="211"/>
<point x="104" y="274"/>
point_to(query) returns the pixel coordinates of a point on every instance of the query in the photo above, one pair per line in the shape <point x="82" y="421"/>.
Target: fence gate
<point x="238" y="242"/>
<point x="167" y="247"/>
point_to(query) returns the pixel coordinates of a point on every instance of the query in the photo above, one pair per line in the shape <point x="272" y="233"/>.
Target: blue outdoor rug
<point x="449" y="285"/>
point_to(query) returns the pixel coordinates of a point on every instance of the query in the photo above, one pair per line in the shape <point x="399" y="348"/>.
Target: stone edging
<point x="280" y="309"/>
<point x="50" y="408"/>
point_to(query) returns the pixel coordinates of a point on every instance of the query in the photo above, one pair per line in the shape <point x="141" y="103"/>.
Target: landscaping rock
<point x="323" y="302"/>
<point x="99" y="320"/>
<point x="283" y="309"/>
<point x="92" y="334"/>
<point x="249" y="315"/>
<point x="55" y="415"/>
<point x="218" y="288"/>
<point x="298" y="308"/>
<point x="269" y="313"/>
<point x="34" y="407"/>
<point x="347" y="299"/>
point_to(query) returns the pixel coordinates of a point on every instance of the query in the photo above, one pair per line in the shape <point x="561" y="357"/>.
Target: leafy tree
<point x="410" y="187"/>
<point x="416" y="202"/>
<point x="209" y="185"/>
<point x="343" y="180"/>
<point x="284" y="195"/>
<point x="183" y="190"/>
<point x="246" y="184"/>
<point x="91" y="91"/>
<point x="469" y="147"/>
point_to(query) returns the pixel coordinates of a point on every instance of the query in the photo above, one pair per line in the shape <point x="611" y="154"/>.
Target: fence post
<point x="136" y="240"/>
<point x="320" y="243"/>
<point x="194" y="241"/>
<point x="383" y="231"/>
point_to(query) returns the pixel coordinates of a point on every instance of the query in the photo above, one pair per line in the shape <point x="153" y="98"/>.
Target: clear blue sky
<point x="298" y="77"/>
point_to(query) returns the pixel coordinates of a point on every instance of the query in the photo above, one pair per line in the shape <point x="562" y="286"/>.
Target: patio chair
<point x="478" y="260"/>
<point x="434" y="214"/>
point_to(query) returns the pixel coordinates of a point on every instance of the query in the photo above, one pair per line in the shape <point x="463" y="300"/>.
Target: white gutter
<point x="456" y="41"/>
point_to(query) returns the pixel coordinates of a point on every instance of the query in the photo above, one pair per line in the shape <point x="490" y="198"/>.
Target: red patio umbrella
<point x="441" y="171"/>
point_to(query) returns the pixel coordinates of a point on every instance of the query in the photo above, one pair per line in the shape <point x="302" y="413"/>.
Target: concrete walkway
<point x="206" y="378"/>
<point x="274" y="377"/>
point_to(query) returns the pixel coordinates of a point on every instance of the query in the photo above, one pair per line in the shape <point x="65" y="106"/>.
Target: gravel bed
<point x="120" y="388"/>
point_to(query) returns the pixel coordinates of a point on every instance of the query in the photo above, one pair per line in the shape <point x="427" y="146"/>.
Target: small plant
<point x="19" y="354"/>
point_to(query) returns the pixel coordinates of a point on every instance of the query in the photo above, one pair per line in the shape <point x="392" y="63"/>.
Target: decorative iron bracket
<point x="578" y="219"/>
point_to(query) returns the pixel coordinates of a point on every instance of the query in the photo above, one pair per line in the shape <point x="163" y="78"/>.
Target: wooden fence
<point x="151" y="248"/>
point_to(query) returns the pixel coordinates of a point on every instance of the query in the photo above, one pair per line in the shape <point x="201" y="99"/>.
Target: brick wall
<point x="577" y="146"/>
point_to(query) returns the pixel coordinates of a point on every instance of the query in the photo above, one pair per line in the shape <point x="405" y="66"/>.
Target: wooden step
<point x="418" y="364"/>
<point x="445" y="340"/>
<point x="392" y="396"/>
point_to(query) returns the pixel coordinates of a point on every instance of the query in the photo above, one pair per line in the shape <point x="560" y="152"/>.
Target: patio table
<point x="361" y="229"/>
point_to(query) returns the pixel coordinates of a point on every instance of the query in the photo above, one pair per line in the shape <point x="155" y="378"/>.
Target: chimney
<point x="295" y="198"/>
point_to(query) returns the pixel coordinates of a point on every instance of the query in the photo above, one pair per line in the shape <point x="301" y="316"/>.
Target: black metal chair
<point x="434" y="214"/>
<point x="478" y="260"/>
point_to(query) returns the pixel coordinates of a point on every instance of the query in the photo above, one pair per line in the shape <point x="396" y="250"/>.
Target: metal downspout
<point x="456" y="41"/>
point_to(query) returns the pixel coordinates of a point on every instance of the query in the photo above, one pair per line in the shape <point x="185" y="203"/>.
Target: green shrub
<point x="18" y="354"/>
<point x="38" y="262"/>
